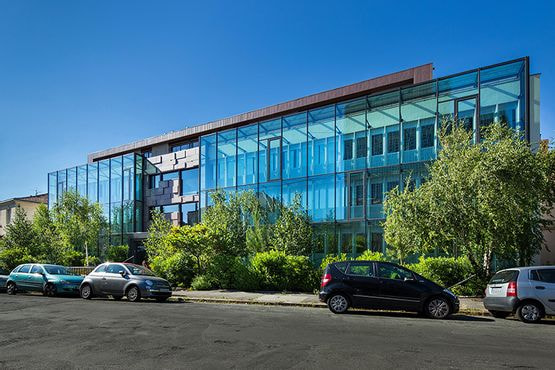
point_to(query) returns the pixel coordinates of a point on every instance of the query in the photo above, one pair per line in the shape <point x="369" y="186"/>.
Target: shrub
<point x="228" y="272"/>
<point x="202" y="282"/>
<point x="447" y="271"/>
<point x="278" y="271"/>
<point x="372" y="256"/>
<point x="331" y="258"/>
<point x="178" y="268"/>
<point x="117" y="253"/>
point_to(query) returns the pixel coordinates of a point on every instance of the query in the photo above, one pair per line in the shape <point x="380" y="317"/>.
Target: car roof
<point x="527" y="268"/>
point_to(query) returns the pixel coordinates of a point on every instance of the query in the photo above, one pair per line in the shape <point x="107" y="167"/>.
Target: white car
<point x="527" y="291"/>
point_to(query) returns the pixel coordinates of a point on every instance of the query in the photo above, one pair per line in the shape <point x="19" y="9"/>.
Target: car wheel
<point x="49" y="290"/>
<point x="11" y="288"/>
<point x="338" y="303"/>
<point x="86" y="291"/>
<point x="529" y="312"/>
<point x="162" y="299"/>
<point x="133" y="294"/>
<point x="437" y="308"/>
<point x="500" y="314"/>
<point x="117" y="297"/>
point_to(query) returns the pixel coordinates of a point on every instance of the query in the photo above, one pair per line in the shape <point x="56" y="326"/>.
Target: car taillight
<point x="325" y="280"/>
<point x="511" y="289"/>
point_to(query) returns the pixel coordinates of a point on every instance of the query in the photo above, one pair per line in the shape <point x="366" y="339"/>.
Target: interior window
<point x="360" y="269"/>
<point x="387" y="271"/>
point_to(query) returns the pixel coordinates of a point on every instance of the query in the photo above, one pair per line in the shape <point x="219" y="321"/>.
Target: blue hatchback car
<point x="48" y="279"/>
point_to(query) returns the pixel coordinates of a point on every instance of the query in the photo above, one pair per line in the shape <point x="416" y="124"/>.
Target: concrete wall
<point x="29" y="208"/>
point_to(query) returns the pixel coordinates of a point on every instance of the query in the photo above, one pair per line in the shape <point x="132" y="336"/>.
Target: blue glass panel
<point x="189" y="182"/>
<point x="61" y="184"/>
<point x="247" y="158"/>
<point x="140" y="165"/>
<point x="325" y="240"/>
<point x="189" y="213"/>
<point x="352" y="238"/>
<point x="82" y="180"/>
<point x="502" y="95"/>
<point x="139" y="217"/>
<point x="72" y="179"/>
<point x="104" y="182"/>
<point x="116" y="184"/>
<point x="383" y="121"/>
<point x="270" y="191"/>
<point x="269" y="152"/>
<point x="350" y="124"/>
<point x="128" y="177"/>
<point x="52" y="189"/>
<point x="294" y="146"/>
<point x="321" y="192"/>
<point x="458" y="86"/>
<point x="292" y="188"/>
<point x="418" y="110"/>
<point x="92" y="188"/>
<point x="321" y="141"/>
<point x="227" y="152"/>
<point x="208" y="162"/>
<point x="378" y="183"/>
<point x="341" y="197"/>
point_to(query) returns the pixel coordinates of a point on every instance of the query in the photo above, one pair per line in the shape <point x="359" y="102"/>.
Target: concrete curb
<point x="289" y="304"/>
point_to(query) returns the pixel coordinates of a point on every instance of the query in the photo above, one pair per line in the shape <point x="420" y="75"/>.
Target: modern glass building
<point x="342" y="150"/>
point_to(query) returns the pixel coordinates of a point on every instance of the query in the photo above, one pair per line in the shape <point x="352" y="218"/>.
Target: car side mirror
<point x="122" y="273"/>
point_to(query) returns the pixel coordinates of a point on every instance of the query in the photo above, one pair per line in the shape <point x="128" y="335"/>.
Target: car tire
<point x="86" y="291"/>
<point x="133" y="294"/>
<point x="11" y="288"/>
<point x="162" y="299"/>
<point x="437" y="308"/>
<point x="499" y="314"/>
<point x="529" y="312"/>
<point x="49" y="290"/>
<point x="338" y="303"/>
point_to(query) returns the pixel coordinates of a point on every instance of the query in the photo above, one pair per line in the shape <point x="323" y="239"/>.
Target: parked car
<point x="125" y="279"/>
<point x="3" y="279"/>
<point x="383" y="285"/>
<point x="48" y="279"/>
<point x="527" y="291"/>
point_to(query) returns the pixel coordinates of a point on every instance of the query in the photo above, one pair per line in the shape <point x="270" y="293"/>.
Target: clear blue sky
<point x="81" y="76"/>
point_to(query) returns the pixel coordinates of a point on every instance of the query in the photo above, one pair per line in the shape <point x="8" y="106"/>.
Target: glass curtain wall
<point x="115" y="183"/>
<point x="343" y="159"/>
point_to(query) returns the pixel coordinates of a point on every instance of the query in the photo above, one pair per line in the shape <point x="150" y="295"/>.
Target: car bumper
<point x="504" y="304"/>
<point x="156" y="293"/>
<point x="67" y="289"/>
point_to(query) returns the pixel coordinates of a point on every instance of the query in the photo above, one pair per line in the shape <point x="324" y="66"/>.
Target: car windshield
<point x="57" y="270"/>
<point x="504" y="277"/>
<point x="139" y="270"/>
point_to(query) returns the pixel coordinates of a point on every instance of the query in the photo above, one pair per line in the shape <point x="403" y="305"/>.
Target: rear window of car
<point x="360" y="269"/>
<point x="545" y="275"/>
<point x="504" y="277"/>
<point x="341" y="266"/>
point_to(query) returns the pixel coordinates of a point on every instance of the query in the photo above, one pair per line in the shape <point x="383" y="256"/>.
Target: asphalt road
<point x="65" y="333"/>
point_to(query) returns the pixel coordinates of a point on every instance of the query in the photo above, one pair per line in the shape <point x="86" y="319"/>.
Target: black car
<point x="384" y="285"/>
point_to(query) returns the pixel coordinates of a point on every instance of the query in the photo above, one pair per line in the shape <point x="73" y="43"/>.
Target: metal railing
<point x="81" y="270"/>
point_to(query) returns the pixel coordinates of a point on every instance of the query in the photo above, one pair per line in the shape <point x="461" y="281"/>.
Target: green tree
<point x="192" y="240"/>
<point x="80" y="224"/>
<point x="19" y="243"/>
<point x="481" y="200"/>
<point x="292" y="232"/>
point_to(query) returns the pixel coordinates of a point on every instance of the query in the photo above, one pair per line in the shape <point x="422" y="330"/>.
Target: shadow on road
<point x="456" y="317"/>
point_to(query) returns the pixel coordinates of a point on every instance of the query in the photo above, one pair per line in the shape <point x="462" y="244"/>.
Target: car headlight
<point x="149" y="283"/>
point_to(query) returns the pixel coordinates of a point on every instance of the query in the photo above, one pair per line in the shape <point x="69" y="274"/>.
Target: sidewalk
<point x="470" y="306"/>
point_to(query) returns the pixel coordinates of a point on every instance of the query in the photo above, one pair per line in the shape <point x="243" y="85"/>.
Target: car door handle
<point x="540" y="287"/>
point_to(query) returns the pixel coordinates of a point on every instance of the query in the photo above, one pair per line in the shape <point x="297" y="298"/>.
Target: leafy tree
<point x="156" y="243"/>
<point x="18" y="245"/>
<point x="80" y="223"/>
<point x="49" y="242"/>
<point x="292" y="232"/>
<point x="192" y="240"/>
<point x="481" y="200"/>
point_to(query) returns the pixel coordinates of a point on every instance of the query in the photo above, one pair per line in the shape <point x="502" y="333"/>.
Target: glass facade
<point x="343" y="158"/>
<point x="115" y="183"/>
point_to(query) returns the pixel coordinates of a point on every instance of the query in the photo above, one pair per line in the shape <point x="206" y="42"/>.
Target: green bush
<point x="228" y="272"/>
<point x="178" y="268"/>
<point x="278" y="271"/>
<point x="366" y="256"/>
<point x="202" y="282"/>
<point x="447" y="271"/>
<point x="117" y="253"/>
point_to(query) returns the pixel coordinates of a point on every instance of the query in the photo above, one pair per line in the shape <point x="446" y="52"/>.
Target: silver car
<point x="124" y="279"/>
<point x="527" y="291"/>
